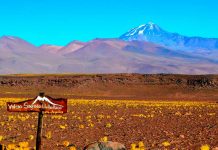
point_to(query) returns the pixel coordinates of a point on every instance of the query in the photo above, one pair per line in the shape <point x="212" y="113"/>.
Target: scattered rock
<point x="182" y="136"/>
<point x="105" y="146"/>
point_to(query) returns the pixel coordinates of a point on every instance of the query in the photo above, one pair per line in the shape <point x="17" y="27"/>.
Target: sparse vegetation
<point x="138" y="124"/>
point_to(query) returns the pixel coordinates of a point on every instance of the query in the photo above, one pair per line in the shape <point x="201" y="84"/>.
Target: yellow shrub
<point x="166" y="143"/>
<point x="133" y="146"/>
<point x="141" y="145"/>
<point x="108" y="125"/>
<point x="62" y="126"/>
<point x="104" y="139"/>
<point x="11" y="146"/>
<point x="81" y="126"/>
<point x="24" y="144"/>
<point x="72" y="148"/>
<point x="205" y="147"/>
<point x="1" y="138"/>
<point x="48" y="135"/>
<point x="66" y="143"/>
<point x="91" y="125"/>
<point x="31" y="137"/>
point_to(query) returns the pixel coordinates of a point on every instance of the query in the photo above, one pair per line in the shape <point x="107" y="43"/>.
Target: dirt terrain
<point x="113" y="86"/>
<point x="162" y="111"/>
<point x="185" y="126"/>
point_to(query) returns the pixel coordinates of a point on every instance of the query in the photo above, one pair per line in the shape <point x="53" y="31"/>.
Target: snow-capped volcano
<point x="151" y="32"/>
<point x="145" y="29"/>
<point x="145" y="32"/>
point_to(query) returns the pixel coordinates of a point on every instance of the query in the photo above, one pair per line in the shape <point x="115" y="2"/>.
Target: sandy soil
<point x="185" y="126"/>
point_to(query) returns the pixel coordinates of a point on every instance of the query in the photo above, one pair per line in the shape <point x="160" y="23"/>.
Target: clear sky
<point x="61" y="21"/>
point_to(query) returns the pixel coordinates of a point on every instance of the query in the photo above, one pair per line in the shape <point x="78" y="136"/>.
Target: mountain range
<point x="153" y="33"/>
<point x="144" y="49"/>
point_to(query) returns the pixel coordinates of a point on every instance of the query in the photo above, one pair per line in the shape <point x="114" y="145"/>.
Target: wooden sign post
<point x="39" y="131"/>
<point x="41" y="104"/>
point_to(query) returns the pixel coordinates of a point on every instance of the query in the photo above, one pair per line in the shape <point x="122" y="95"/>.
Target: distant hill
<point x="113" y="86"/>
<point x="145" y="49"/>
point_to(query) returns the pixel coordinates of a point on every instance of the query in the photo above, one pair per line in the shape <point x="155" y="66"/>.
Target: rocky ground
<point x="110" y="86"/>
<point x="180" y="110"/>
<point x="183" y="125"/>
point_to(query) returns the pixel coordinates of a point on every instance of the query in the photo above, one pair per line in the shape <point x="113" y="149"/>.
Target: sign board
<point x="41" y="104"/>
<point x="45" y="104"/>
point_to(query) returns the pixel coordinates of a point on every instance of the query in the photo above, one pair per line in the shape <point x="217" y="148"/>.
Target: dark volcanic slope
<point x="119" y="86"/>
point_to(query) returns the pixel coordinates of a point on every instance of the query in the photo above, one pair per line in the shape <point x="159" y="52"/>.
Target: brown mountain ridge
<point x="102" y="56"/>
<point x="113" y="86"/>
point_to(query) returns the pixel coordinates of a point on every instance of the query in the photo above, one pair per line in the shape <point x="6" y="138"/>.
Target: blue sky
<point x="61" y="21"/>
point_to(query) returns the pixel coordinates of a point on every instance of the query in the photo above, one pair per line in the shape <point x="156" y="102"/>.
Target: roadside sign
<point x="41" y="104"/>
<point x="45" y="104"/>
